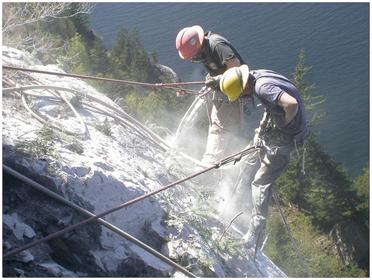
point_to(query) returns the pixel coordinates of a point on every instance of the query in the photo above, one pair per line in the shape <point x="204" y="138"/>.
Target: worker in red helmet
<point x="217" y="54"/>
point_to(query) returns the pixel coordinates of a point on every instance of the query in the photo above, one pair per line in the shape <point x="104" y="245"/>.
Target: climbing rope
<point x="153" y="85"/>
<point x="233" y="158"/>
<point x="25" y="101"/>
<point x="194" y="107"/>
<point x="85" y="212"/>
<point x="151" y="135"/>
<point x="21" y="92"/>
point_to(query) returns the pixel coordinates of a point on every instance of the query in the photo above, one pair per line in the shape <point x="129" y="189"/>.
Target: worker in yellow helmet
<point x="282" y="128"/>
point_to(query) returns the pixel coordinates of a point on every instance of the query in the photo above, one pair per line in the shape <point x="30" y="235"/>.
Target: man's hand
<point x="212" y="82"/>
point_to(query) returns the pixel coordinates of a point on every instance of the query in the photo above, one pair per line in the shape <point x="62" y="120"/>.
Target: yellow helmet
<point x="234" y="81"/>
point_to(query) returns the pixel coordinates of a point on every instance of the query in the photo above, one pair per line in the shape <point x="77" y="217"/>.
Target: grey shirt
<point x="269" y="87"/>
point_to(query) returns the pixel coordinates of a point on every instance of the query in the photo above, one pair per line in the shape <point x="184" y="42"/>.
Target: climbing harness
<point x="224" y="161"/>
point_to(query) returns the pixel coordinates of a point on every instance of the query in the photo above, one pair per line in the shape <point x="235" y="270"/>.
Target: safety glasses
<point x="199" y="57"/>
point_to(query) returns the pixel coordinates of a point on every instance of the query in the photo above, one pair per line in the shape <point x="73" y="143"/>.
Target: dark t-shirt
<point x="217" y="51"/>
<point x="269" y="88"/>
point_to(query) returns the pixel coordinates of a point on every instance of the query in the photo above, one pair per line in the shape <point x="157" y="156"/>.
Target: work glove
<point x="212" y="81"/>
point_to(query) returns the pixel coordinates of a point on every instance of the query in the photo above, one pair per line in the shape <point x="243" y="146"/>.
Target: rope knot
<point x="237" y="158"/>
<point x="218" y="164"/>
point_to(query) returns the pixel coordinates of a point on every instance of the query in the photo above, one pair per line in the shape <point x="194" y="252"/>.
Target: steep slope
<point x="81" y="145"/>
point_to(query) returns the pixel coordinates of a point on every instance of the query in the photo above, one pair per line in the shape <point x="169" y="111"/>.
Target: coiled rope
<point x="233" y="158"/>
<point x="151" y="135"/>
<point x="158" y="140"/>
<point x="121" y="116"/>
<point x="25" y="101"/>
<point x="85" y="212"/>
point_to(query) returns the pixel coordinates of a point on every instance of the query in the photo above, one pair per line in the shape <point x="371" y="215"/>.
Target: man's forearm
<point x="289" y="105"/>
<point x="290" y="112"/>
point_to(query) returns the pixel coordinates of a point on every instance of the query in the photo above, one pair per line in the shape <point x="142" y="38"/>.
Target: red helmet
<point x="189" y="41"/>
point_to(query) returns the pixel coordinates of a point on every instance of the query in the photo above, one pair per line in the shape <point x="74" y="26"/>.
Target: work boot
<point x="250" y="242"/>
<point x="253" y="244"/>
<point x="254" y="237"/>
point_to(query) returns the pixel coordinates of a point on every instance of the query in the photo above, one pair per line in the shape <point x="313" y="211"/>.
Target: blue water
<point x="335" y="37"/>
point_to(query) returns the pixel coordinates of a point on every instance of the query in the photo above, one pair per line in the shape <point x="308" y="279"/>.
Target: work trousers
<point x="225" y="123"/>
<point x="273" y="163"/>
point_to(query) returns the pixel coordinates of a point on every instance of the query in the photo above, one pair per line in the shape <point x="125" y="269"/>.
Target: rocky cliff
<point x="76" y="142"/>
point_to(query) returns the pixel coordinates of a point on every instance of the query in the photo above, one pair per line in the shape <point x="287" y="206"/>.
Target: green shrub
<point x="104" y="127"/>
<point x="316" y="248"/>
<point x="40" y="147"/>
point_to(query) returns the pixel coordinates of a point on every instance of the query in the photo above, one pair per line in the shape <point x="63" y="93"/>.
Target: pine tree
<point x="306" y="89"/>
<point x="76" y="59"/>
<point x="119" y="53"/>
<point x="361" y="186"/>
<point x="326" y="196"/>
<point x="98" y="59"/>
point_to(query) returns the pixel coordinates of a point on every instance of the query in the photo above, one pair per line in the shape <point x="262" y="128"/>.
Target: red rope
<point x="165" y="85"/>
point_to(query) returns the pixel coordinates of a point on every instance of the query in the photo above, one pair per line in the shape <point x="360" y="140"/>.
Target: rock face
<point x="166" y="73"/>
<point x="97" y="158"/>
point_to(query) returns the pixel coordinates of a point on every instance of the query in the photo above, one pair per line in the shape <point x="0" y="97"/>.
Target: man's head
<point x="234" y="82"/>
<point x="189" y="42"/>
